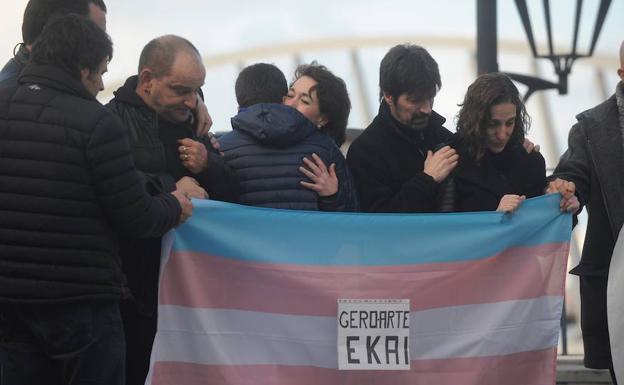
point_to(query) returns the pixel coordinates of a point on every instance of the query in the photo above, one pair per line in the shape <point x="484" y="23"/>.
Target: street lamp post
<point x="487" y="58"/>
<point x="487" y="37"/>
<point x="487" y="51"/>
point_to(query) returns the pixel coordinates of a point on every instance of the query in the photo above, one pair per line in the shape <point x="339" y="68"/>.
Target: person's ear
<point x="388" y="99"/>
<point x="620" y="73"/>
<point x="322" y="121"/>
<point x="146" y="80"/>
<point x="84" y="74"/>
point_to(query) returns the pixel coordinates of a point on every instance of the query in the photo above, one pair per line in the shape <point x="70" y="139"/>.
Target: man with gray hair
<point x="593" y="163"/>
<point x="156" y="106"/>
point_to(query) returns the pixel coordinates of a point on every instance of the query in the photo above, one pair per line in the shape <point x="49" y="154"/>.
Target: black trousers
<point x="140" y="330"/>
<point x="69" y="344"/>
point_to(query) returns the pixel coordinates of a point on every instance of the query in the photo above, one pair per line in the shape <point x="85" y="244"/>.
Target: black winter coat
<point x="594" y="162"/>
<point x="266" y="148"/>
<point x="479" y="186"/>
<point x="150" y="153"/>
<point x="161" y="168"/>
<point x="67" y="185"/>
<point x="387" y="161"/>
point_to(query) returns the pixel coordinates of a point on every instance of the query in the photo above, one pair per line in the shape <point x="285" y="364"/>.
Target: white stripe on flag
<point x="237" y="337"/>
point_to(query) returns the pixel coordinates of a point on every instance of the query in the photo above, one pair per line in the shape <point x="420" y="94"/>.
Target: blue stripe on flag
<point x="346" y="239"/>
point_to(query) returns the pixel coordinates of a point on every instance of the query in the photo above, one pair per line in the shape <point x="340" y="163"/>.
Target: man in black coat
<point x="397" y="161"/>
<point x="36" y="15"/>
<point x="156" y="107"/>
<point x="67" y="187"/>
<point x="593" y="162"/>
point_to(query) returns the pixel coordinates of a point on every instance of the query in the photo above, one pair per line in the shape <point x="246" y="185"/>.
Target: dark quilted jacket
<point x="67" y="187"/>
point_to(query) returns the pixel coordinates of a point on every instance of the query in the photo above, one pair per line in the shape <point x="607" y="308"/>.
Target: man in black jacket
<point x="67" y="186"/>
<point x="36" y="15"/>
<point x="156" y="108"/>
<point x="396" y="162"/>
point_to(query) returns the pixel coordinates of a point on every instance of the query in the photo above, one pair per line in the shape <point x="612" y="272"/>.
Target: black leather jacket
<point x="68" y="189"/>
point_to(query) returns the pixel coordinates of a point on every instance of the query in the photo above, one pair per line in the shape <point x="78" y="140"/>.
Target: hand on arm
<point x="214" y="142"/>
<point x="193" y="155"/>
<point x="204" y="121"/>
<point x="325" y="181"/>
<point x="439" y="165"/>
<point x="529" y="146"/>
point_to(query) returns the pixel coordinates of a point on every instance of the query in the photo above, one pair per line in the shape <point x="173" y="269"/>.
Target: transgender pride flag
<point x="248" y="295"/>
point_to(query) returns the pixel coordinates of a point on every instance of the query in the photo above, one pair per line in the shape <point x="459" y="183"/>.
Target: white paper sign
<point x="373" y="334"/>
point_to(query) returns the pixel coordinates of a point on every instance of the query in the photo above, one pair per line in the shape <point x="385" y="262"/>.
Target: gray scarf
<point x="619" y="96"/>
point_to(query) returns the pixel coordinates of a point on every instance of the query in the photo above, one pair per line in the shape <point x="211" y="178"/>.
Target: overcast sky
<point x="226" y="26"/>
<point x="218" y="27"/>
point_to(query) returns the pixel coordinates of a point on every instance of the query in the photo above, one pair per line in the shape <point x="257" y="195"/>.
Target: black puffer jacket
<point x="388" y="160"/>
<point x="67" y="184"/>
<point x="266" y="149"/>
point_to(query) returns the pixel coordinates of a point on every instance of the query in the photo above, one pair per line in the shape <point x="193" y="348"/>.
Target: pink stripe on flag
<point x="527" y="368"/>
<point x="518" y="273"/>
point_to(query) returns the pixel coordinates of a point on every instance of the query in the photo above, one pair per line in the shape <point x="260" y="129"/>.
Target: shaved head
<point x="160" y="53"/>
<point x="171" y="73"/>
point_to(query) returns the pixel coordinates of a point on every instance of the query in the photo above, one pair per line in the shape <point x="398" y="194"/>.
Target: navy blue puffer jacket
<point x="266" y="149"/>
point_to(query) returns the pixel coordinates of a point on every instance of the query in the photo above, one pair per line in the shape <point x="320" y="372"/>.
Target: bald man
<point x="156" y="106"/>
<point x="594" y="162"/>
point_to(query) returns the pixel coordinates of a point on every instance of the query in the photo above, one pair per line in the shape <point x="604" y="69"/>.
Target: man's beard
<point x="418" y="121"/>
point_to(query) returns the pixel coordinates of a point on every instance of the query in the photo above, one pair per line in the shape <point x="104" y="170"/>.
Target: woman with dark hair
<point x="495" y="172"/>
<point x="322" y="97"/>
